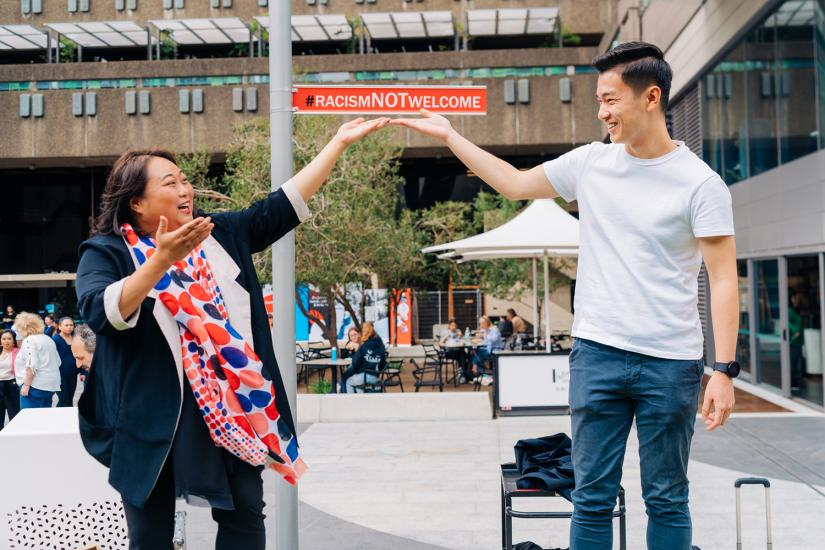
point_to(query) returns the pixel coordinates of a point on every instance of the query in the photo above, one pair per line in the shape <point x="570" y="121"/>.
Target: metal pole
<point x="361" y="46"/>
<point x="546" y="304"/>
<point x="283" y="251"/>
<point x="535" y="303"/>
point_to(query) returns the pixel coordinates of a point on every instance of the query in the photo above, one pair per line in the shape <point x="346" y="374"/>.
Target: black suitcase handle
<point x="752" y="481"/>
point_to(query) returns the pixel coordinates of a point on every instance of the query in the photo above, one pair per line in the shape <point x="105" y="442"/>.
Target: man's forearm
<point x="724" y="302"/>
<point x="498" y="174"/>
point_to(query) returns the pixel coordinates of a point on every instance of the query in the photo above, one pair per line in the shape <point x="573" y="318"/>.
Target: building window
<point x="31" y="6"/>
<point x="758" y="101"/>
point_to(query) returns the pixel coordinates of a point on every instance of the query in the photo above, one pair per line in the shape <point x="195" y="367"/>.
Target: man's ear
<point x="653" y="95"/>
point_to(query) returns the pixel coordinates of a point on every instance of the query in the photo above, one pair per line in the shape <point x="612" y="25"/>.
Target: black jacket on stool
<point x="129" y="409"/>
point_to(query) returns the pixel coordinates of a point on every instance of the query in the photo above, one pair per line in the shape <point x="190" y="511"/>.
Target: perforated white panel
<point x="67" y="527"/>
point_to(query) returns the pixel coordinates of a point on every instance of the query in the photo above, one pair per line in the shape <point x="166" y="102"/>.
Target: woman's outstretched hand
<point x="435" y="126"/>
<point x="354" y="130"/>
<point x="175" y="245"/>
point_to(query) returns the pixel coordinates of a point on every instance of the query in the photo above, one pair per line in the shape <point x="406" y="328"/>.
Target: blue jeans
<point x="349" y="385"/>
<point x="37" y="399"/>
<point x="608" y="388"/>
<point x="480" y="359"/>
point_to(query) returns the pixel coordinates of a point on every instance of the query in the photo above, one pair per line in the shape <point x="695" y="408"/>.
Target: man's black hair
<point x="642" y="65"/>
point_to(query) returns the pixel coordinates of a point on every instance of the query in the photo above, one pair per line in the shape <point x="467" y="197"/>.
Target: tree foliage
<point x="356" y="229"/>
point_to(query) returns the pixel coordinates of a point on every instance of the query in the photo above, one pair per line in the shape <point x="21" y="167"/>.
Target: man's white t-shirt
<point x="639" y="258"/>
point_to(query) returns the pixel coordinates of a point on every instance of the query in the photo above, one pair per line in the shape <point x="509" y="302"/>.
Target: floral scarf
<point x="234" y="395"/>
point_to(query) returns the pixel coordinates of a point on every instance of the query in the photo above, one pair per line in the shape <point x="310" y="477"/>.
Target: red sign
<point x="385" y="100"/>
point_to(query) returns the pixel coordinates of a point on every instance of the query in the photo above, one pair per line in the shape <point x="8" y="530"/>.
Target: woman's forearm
<point x="138" y="285"/>
<point x="310" y="178"/>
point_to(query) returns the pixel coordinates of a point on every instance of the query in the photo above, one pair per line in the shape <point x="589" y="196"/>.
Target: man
<point x="650" y="211"/>
<point x="83" y="349"/>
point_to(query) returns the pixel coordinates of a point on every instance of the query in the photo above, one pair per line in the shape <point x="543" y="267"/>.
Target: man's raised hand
<point x="435" y="126"/>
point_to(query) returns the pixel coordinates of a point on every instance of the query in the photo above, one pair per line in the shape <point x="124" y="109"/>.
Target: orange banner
<point x="390" y="100"/>
<point x="401" y="328"/>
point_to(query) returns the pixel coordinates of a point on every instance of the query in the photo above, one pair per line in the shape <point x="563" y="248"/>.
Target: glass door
<point x="768" y="316"/>
<point x="805" y="328"/>
<point x="743" y="339"/>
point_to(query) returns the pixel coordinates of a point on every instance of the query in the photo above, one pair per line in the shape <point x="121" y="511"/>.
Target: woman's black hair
<point x="642" y="64"/>
<point x="126" y="181"/>
<point x="13" y="336"/>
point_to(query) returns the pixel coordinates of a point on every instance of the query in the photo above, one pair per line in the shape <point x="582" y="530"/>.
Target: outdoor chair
<point x="372" y="387"/>
<point x="387" y="377"/>
<point x="301" y="355"/>
<point x="450" y="363"/>
<point x="308" y="355"/>
<point x="429" y="373"/>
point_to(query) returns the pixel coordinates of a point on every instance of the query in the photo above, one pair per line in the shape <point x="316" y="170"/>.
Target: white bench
<point x="55" y="495"/>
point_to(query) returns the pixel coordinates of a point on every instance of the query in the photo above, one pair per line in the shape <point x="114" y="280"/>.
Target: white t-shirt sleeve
<point x="711" y="209"/>
<point x="564" y="172"/>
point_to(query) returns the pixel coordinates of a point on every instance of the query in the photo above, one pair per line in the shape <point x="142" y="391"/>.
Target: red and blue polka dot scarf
<point x="234" y="395"/>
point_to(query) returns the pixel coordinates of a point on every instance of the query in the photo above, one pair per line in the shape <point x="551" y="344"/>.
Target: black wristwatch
<point x="731" y="368"/>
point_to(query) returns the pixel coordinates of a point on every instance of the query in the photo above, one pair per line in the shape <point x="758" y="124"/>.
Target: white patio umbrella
<point x="542" y="230"/>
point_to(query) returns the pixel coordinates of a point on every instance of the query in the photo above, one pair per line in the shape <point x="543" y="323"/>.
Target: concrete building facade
<point x="83" y="80"/>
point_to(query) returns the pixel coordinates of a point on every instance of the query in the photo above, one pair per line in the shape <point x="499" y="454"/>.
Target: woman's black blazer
<point x="130" y="406"/>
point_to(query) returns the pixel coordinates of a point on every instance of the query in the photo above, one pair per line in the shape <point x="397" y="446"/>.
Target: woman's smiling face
<point x="167" y="193"/>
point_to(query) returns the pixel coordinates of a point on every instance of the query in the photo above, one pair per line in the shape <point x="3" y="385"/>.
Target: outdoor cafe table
<point x="328" y="363"/>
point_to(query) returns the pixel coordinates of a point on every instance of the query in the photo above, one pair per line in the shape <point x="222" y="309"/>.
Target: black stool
<point x="509" y="475"/>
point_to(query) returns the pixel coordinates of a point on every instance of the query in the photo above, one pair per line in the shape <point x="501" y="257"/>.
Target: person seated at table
<point x="370" y="356"/>
<point x="492" y="342"/>
<point x="450" y="335"/>
<point x="519" y="324"/>
<point x="353" y="342"/>
<point x="452" y="341"/>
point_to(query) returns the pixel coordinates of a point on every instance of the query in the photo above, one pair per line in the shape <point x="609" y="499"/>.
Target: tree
<point x="355" y="229"/>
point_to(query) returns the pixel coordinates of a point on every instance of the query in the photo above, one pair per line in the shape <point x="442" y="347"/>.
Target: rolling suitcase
<point x="752" y="481"/>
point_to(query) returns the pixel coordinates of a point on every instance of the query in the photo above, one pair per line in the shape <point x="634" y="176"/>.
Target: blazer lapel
<point x="171" y="333"/>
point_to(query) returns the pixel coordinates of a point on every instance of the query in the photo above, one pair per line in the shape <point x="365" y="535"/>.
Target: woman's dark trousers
<point x="152" y="528"/>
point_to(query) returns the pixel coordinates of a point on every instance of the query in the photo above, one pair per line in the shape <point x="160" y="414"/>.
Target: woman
<point x="371" y="355"/>
<point x="492" y="342"/>
<point x="353" y="342"/>
<point x="8" y="317"/>
<point x="9" y="392"/>
<point x="184" y="397"/>
<point x="68" y="365"/>
<point x="37" y="366"/>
